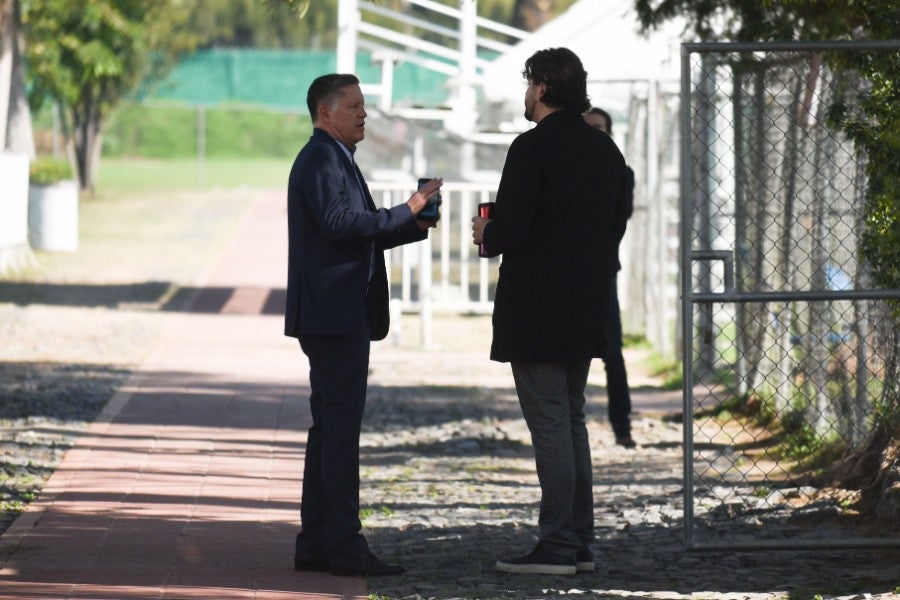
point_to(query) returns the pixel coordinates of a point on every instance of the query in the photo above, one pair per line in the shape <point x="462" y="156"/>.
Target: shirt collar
<point x="347" y="151"/>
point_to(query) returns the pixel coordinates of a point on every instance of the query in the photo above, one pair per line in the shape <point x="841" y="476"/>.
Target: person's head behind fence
<point x="599" y="119"/>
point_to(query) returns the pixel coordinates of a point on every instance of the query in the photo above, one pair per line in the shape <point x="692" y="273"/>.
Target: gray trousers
<point x="552" y="399"/>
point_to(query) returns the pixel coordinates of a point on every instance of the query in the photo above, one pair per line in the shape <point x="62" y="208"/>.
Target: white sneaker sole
<point x="535" y="568"/>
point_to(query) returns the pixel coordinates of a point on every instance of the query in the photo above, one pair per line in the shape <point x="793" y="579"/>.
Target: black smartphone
<point x="432" y="210"/>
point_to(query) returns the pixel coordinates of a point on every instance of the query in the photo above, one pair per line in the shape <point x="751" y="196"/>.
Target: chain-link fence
<point x="645" y="126"/>
<point x="790" y="351"/>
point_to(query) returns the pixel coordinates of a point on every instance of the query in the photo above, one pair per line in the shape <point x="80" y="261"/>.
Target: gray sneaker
<point x="540" y="561"/>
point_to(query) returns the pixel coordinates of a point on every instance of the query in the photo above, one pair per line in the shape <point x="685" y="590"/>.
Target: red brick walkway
<point x="188" y="485"/>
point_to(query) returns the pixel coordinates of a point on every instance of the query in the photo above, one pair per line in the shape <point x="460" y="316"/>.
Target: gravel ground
<point x="447" y="468"/>
<point x="449" y="487"/>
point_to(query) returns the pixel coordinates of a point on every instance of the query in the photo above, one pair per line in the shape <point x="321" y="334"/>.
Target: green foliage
<point x="98" y="50"/>
<point x="271" y="134"/>
<point x="171" y="132"/>
<point x="766" y="21"/>
<point x="119" y="177"/>
<point x="812" y="451"/>
<point x="263" y="23"/>
<point x="305" y="24"/>
<point x="151" y="133"/>
<point x="872" y="120"/>
<point x="670" y="371"/>
<point x="47" y="171"/>
<point x="87" y="55"/>
<point x="868" y="112"/>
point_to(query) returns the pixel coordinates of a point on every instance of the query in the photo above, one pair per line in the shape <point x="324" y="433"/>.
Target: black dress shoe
<point x="366" y="565"/>
<point x="626" y="441"/>
<point x="310" y="562"/>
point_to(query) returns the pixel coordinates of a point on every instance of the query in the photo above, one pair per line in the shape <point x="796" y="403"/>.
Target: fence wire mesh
<point x="790" y="351"/>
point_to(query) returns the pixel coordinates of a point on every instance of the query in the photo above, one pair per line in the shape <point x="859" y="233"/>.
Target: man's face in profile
<point x="533" y="94"/>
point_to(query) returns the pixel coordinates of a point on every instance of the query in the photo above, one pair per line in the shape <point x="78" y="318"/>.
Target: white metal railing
<point x="442" y="273"/>
<point x="399" y="37"/>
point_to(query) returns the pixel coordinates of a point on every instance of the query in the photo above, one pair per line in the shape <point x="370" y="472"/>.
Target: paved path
<point x="188" y="484"/>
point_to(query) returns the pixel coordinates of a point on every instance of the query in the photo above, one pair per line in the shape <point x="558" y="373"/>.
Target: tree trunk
<point x="863" y="325"/>
<point x="703" y="164"/>
<point x="741" y="153"/>
<point x="785" y="267"/>
<point x="7" y="45"/>
<point x="19" y="133"/>
<point x="820" y="311"/>
<point x="86" y="135"/>
<point x="531" y="14"/>
<point x="750" y="248"/>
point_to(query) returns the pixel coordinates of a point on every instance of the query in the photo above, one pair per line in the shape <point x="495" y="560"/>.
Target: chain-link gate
<point x="789" y="349"/>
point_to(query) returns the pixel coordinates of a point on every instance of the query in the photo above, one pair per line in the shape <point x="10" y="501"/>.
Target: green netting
<point x="279" y="79"/>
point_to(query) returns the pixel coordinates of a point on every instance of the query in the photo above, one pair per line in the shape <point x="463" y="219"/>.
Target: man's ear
<point x="542" y="88"/>
<point x="323" y="113"/>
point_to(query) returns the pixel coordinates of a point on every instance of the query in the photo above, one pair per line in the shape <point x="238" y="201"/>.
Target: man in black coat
<point x="557" y="224"/>
<point x="337" y="302"/>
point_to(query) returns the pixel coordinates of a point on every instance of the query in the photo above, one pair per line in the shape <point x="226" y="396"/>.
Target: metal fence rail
<point x="443" y="272"/>
<point x="788" y="347"/>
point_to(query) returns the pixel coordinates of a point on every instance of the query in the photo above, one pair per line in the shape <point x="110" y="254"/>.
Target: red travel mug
<point x="485" y="211"/>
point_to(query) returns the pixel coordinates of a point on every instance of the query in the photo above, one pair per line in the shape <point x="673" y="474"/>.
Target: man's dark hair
<point x="325" y="89"/>
<point x="605" y="116"/>
<point x="563" y="74"/>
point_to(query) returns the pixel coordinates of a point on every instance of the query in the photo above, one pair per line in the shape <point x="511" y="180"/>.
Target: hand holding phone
<point x="431" y="212"/>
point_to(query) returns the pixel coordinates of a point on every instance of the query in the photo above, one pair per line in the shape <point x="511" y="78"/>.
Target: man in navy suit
<point x="337" y="302"/>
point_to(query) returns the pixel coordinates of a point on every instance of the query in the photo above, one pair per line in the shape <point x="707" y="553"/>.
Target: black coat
<point x="333" y="226"/>
<point x="558" y="222"/>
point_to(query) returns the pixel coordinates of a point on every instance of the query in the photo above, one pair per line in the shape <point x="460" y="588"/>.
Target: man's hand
<point x="419" y="200"/>
<point x="478" y="224"/>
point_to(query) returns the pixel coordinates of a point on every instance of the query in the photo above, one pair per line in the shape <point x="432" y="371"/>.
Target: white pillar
<point x="386" y="97"/>
<point x="14" y="249"/>
<point x="463" y="116"/>
<point x="348" y="17"/>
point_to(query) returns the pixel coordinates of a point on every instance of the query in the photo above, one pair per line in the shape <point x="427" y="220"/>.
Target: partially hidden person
<point x="618" y="394"/>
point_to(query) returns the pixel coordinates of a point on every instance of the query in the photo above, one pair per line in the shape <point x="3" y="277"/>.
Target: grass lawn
<point x="137" y="175"/>
<point x="153" y="221"/>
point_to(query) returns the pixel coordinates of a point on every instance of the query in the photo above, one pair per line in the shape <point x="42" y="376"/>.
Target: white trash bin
<point x="53" y="216"/>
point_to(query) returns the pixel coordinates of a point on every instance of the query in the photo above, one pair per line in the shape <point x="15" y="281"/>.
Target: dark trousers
<point x="329" y="510"/>
<point x="616" y="376"/>
<point x="552" y="399"/>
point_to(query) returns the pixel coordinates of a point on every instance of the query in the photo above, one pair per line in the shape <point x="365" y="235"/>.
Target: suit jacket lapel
<point x="370" y="203"/>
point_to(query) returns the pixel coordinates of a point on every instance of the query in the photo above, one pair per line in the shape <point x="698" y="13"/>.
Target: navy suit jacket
<point x="333" y="227"/>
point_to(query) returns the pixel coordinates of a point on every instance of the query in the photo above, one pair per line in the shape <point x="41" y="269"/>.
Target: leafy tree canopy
<point x="871" y="119"/>
<point x="774" y="20"/>
<point x="86" y="55"/>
